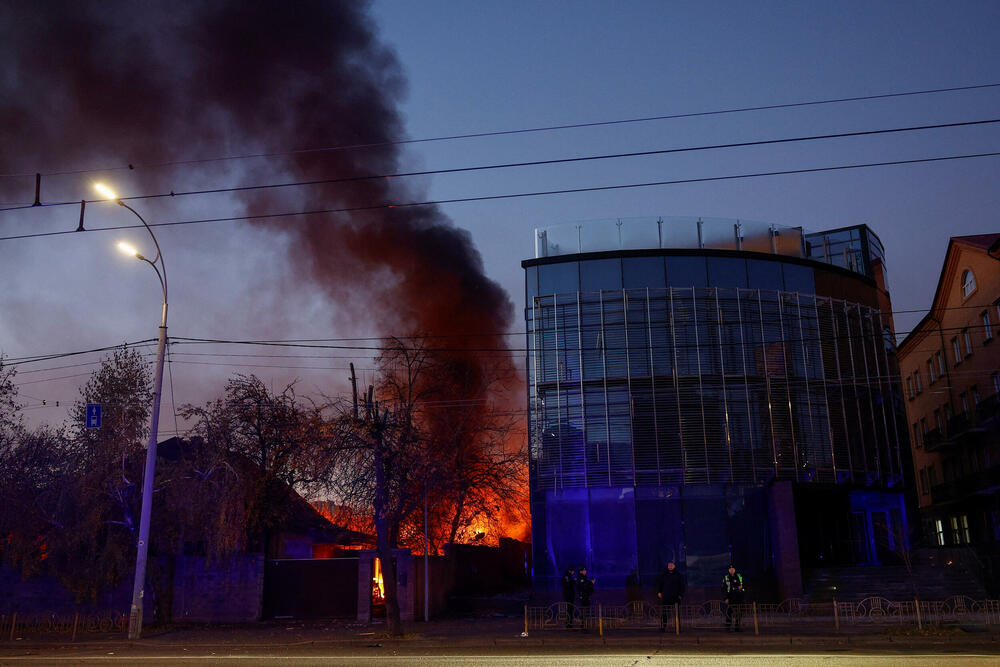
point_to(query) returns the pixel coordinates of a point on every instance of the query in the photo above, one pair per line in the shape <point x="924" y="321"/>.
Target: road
<point x="373" y="657"/>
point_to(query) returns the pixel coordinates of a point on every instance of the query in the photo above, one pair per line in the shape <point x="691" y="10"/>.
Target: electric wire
<point x="515" y="195"/>
<point x="503" y="352"/>
<point x="514" y="165"/>
<point x="493" y="133"/>
<point x="147" y="343"/>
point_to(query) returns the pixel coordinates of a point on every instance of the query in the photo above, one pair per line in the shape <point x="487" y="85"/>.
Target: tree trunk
<point x="459" y="506"/>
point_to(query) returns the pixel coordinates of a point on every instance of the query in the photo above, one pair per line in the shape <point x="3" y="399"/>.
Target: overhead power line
<point x="516" y="195"/>
<point x="528" y="130"/>
<point x="517" y="165"/>
<point x="310" y="342"/>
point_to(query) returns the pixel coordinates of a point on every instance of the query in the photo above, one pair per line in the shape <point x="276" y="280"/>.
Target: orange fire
<point x="378" y="585"/>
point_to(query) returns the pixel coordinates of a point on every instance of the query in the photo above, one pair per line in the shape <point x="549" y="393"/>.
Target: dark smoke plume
<point x="91" y="83"/>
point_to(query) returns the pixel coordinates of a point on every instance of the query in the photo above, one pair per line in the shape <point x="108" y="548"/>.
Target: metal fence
<point x="15" y="625"/>
<point x="793" y="616"/>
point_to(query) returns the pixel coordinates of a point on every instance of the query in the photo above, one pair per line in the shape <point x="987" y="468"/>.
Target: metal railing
<point x="790" y="616"/>
<point x="17" y="625"/>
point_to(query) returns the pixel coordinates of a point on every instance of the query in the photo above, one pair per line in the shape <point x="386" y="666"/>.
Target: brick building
<point x="950" y="365"/>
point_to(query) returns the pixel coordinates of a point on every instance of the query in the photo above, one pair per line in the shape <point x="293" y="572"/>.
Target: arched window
<point x="968" y="283"/>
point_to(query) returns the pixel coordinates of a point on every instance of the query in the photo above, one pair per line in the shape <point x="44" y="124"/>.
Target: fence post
<point x="916" y="603"/>
<point x="525" y="619"/>
<point x="677" y="620"/>
<point x="836" y="616"/>
<point x="76" y="621"/>
<point x="756" y="628"/>
<point x="13" y="624"/>
<point x="600" y="621"/>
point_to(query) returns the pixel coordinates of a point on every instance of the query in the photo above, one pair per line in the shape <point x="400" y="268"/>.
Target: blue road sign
<point x="93" y="415"/>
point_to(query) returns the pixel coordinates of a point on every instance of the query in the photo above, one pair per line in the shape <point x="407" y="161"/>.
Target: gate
<point x="311" y="588"/>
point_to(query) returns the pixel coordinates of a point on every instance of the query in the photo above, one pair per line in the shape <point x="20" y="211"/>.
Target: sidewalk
<point x="504" y="633"/>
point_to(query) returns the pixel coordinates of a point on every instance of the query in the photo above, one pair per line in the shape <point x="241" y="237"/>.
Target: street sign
<point x="93" y="415"/>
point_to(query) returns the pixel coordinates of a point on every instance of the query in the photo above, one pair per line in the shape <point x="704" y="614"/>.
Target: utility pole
<point x="354" y="390"/>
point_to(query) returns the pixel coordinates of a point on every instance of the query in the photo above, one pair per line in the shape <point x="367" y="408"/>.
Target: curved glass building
<point x="707" y="391"/>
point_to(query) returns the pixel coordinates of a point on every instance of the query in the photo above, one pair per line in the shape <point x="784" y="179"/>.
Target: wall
<point x="226" y="591"/>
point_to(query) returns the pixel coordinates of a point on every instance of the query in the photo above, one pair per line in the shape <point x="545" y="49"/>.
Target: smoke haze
<point x="95" y="84"/>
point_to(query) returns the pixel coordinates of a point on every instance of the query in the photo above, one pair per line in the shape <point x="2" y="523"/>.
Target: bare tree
<point x="426" y="431"/>
<point x="381" y="458"/>
<point x="274" y="443"/>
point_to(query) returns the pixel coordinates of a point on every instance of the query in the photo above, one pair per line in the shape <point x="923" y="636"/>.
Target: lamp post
<point x="138" y="587"/>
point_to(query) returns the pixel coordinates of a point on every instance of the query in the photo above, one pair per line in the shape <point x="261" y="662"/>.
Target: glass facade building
<point x="691" y="394"/>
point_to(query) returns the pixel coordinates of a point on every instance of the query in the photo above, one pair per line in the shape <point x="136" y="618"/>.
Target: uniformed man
<point x="732" y="593"/>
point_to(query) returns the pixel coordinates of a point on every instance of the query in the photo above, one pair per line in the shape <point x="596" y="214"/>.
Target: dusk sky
<point x="468" y="68"/>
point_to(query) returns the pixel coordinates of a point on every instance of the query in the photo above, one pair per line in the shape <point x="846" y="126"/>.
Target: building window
<point x="937" y="420"/>
<point x="955" y="536"/>
<point x="987" y="326"/>
<point x="947" y="413"/>
<point x="940" y="360"/>
<point x="916" y="435"/>
<point x="965" y="402"/>
<point x="968" y="283"/>
<point x="916" y="377"/>
<point x="956" y="350"/>
<point x="923" y="429"/>
<point x="975" y="394"/>
<point x="931" y="476"/>
<point x="923" y="482"/>
<point x="909" y="387"/>
<point x="964" y="534"/>
<point x="968" y="342"/>
<point x="939" y="529"/>
<point x="996" y="385"/>
<point x="930" y="370"/>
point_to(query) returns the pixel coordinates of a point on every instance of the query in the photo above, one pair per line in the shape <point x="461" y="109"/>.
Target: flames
<point x="378" y="584"/>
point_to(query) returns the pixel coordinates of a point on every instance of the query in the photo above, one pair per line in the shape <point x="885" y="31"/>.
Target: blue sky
<point x="478" y="66"/>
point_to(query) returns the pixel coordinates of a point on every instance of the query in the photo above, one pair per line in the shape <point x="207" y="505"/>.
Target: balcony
<point x="962" y="425"/>
<point x="980" y="483"/>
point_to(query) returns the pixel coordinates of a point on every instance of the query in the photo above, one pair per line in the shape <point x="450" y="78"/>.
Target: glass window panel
<point x="558" y="278"/>
<point x="531" y="282"/>
<point x="643" y="272"/>
<point x="727" y="272"/>
<point x="600" y="274"/>
<point x="799" y="279"/>
<point x="686" y="272"/>
<point x="764" y="275"/>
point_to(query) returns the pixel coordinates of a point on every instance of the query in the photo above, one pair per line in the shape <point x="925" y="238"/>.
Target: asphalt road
<point x="308" y="656"/>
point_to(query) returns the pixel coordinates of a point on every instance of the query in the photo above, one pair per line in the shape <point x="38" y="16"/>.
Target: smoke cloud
<point x="86" y="84"/>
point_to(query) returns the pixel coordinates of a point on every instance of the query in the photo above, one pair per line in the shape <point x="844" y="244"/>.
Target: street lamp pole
<point x="139" y="585"/>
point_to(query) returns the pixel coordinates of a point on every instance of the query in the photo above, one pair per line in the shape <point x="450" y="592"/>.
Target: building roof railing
<point x="850" y="247"/>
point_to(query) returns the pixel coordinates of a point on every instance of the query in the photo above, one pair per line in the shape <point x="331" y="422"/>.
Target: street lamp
<point x="138" y="588"/>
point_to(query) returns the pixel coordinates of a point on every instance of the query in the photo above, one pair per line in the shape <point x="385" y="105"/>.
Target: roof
<point x="979" y="242"/>
<point x="982" y="241"/>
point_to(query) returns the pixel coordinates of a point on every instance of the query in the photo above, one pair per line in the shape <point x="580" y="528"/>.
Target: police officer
<point x="669" y="591"/>
<point x="584" y="589"/>
<point x="732" y="593"/>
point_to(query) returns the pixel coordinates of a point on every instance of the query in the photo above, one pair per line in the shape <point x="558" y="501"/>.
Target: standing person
<point x="569" y="593"/>
<point x="669" y="591"/>
<point x="732" y="593"/>
<point x="584" y="589"/>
